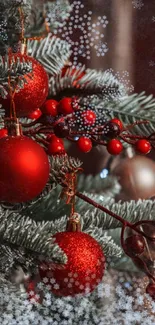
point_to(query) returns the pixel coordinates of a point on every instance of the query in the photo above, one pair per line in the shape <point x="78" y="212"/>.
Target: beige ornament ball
<point x="136" y="176"/>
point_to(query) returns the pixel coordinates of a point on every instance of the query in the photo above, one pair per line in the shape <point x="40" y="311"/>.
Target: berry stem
<point x="125" y="223"/>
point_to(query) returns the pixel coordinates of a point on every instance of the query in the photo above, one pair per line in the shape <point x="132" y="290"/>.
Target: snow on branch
<point x="51" y="52"/>
<point x="87" y="82"/>
<point x="131" y="211"/>
<point x="16" y="71"/>
<point x="10" y="23"/>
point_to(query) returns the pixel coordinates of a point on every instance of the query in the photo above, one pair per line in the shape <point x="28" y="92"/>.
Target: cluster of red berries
<point x="61" y="129"/>
<point x="115" y="147"/>
<point x="55" y="109"/>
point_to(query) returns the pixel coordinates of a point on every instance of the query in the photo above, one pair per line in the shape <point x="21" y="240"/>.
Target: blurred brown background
<point x="130" y="39"/>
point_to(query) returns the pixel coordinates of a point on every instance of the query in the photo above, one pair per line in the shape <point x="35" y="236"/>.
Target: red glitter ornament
<point x="56" y="147"/>
<point x="84" y="144"/>
<point x="50" y="107"/>
<point x="143" y="146"/>
<point x="114" y="147"/>
<point x="89" y="117"/>
<point x="24" y="169"/>
<point x="35" y="115"/>
<point x="65" y="106"/>
<point x="118" y="122"/>
<point x="34" y="92"/>
<point x="84" y="269"/>
<point x="3" y="133"/>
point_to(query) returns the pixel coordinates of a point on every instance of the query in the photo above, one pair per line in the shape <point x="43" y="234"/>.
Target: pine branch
<point x="133" y="108"/>
<point x="96" y="184"/>
<point x="130" y="211"/>
<point x="55" y="12"/>
<point x="16" y="70"/>
<point x="51" y="52"/>
<point x="108" y="244"/>
<point x="35" y="238"/>
<point x="83" y="82"/>
<point x="11" y="26"/>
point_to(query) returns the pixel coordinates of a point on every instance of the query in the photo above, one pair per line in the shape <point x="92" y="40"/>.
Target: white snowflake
<point x="138" y="4"/>
<point x="90" y="33"/>
<point x="151" y="63"/>
<point x="122" y="301"/>
<point x="153" y="19"/>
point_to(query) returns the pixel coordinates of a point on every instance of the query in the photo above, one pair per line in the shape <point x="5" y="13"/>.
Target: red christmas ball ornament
<point x="50" y="107"/>
<point x="65" y="106"/>
<point x="35" y="115"/>
<point x="24" y="169"/>
<point x="143" y="146"/>
<point x="135" y="244"/>
<point x="34" y="92"/>
<point x="84" y="269"/>
<point x="56" y="147"/>
<point x="118" y="122"/>
<point x="89" y="117"/>
<point x="150" y="290"/>
<point x="3" y="133"/>
<point x="114" y="147"/>
<point x="84" y="144"/>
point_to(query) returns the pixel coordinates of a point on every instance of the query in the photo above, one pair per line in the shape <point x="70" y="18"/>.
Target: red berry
<point x="3" y="133"/>
<point x="89" y="117"/>
<point x="114" y="147"/>
<point x="35" y="115"/>
<point x="143" y="146"/>
<point x="56" y="148"/>
<point x="52" y="137"/>
<point x="150" y="290"/>
<point x="118" y="122"/>
<point x="135" y="244"/>
<point x="50" y="107"/>
<point x="65" y="106"/>
<point x="84" y="144"/>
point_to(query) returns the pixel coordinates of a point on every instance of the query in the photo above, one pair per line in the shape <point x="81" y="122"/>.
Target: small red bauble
<point x="24" y="169"/>
<point x="50" y="107"/>
<point x="89" y="117"/>
<point x="150" y="290"/>
<point x="84" y="144"/>
<point x="118" y="122"/>
<point x="56" y="147"/>
<point x="84" y="269"/>
<point x="3" y="133"/>
<point x="34" y="92"/>
<point x="52" y="137"/>
<point x="135" y="244"/>
<point x="65" y="106"/>
<point x="114" y="147"/>
<point x="35" y="115"/>
<point x="143" y="146"/>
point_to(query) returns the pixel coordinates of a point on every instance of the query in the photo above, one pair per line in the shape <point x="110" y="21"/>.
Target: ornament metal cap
<point x="73" y="223"/>
<point x="13" y="126"/>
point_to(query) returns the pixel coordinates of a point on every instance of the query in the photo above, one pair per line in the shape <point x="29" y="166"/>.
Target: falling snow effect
<point x="119" y="299"/>
<point x="138" y="4"/>
<point x="90" y="34"/>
